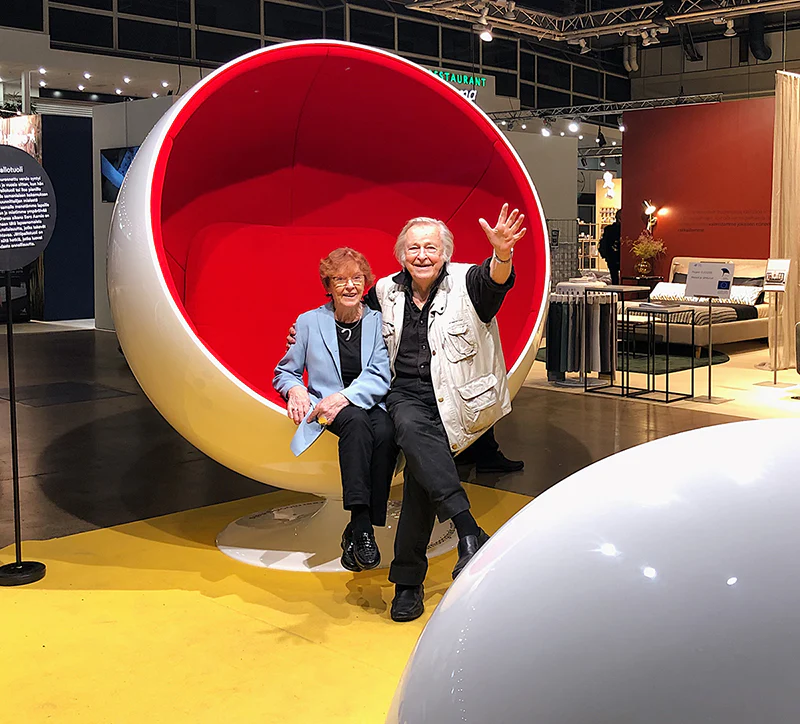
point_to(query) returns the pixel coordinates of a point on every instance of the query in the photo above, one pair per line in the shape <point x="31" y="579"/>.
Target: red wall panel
<point x="710" y="168"/>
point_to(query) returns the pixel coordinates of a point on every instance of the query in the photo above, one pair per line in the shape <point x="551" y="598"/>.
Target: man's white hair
<point x="445" y="235"/>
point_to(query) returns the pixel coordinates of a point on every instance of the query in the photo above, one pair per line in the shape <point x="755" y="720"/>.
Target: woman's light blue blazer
<point x="317" y="350"/>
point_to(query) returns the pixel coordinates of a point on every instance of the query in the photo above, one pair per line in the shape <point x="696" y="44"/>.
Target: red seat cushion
<point x="246" y="284"/>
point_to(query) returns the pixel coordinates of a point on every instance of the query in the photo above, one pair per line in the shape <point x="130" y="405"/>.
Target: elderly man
<point x="449" y="382"/>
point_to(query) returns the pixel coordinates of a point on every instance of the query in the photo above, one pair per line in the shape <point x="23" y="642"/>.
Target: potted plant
<point x="645" y="249"/>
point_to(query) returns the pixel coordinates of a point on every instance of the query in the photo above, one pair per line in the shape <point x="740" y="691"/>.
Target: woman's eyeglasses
<point x="341" y="282"/>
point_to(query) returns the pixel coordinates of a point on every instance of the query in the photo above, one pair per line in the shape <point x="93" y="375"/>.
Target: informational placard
<point x="776" y="275"/>
<point x="709" y="279"/>
<point x="27" y="208"/>
<point x="554" y="234"/>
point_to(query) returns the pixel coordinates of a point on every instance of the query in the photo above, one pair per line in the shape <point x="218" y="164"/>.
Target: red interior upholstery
<point x="285" y="155"/>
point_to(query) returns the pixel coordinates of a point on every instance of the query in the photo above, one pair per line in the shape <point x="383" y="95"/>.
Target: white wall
<point x="552" y="164"/>
<point x="115" y="125"/>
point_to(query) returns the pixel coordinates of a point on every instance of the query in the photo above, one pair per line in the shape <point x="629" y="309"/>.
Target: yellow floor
<point x="148" y="622"/>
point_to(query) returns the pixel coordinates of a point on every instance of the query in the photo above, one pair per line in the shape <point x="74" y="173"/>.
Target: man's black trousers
<point x="367" y="458"/>
<point x="431" y="485"/>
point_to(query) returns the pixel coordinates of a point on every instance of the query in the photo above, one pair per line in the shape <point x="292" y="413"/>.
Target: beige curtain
<point x="785" y="227"/>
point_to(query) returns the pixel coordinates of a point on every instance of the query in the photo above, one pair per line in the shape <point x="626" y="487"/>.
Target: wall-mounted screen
<point x="114" y="164"/>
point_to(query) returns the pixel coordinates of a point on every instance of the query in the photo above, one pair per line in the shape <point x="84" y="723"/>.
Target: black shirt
<point x="349" y="336"/>
<point x="414" y="354"/>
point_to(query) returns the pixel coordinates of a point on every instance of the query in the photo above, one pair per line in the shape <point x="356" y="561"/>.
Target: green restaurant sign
<point x="478" y="81"/>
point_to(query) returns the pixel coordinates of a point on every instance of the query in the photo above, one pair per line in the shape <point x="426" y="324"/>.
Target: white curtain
<point x="785" y="227"/>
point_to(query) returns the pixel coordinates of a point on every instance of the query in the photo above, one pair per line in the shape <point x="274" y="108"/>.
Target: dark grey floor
<point x="95" y="453"/>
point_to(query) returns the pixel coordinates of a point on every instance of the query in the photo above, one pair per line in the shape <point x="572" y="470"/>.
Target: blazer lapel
<point x="327" y="329"/>
<point x="367" y="335"/>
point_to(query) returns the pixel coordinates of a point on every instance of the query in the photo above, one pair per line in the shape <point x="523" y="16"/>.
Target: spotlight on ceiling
<point x="649" y="208"/>
<point x="126" y="79"/>
<point x="482" y="27"/>
<point x="583" y="162"/>
<point x="154" y="94"/>
<point x="486" y="34"/>
<point x="654" y="37"/>
<point x="42" y="84"/>
<point x="602" y="163"/>
<point x="613" y="143"/>
<point x="729" y="31"/>
<point x="562" y="133"/>
<point x="511" y="125"/>
<point x="164" y="84"/>
<point x="524" y="126"/>
<point x="502" y="123"/>
<point x="584" y="47"/>
<point x="546" y="131"/>
<point x="574" y="127"/>
<point x="621" y="124"/>
<point x="81" y="87"/>
<point x="118" y="91"/>
<point x="600" y="138"/>
<point x="511" y="12"/>
<point x="87" y="75"/>
<point x="580" y="138"/>
<point x="42" y="71"/>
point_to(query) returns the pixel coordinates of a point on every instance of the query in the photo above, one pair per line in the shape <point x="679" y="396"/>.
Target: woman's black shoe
<point x="365" y="550"/>
<point x="408" y="603"/>
<point x="348" y="560"/>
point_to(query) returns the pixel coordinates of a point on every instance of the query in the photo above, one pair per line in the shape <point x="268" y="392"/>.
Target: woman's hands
<point x="298" y="404"/>
<point x="326" y="410"/>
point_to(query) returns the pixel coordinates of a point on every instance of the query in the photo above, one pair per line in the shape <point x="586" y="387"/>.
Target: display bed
<point x="731" y="322"/>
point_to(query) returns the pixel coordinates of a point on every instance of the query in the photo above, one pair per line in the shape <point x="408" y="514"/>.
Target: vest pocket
<point x="459" y="342"/>
<point x="478" y="397"/>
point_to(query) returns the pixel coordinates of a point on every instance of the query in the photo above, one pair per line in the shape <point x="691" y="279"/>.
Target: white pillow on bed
<point x="672" y="292"/>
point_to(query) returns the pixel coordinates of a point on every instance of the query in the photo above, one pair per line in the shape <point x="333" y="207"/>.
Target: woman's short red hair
<point x="339" y="261"/>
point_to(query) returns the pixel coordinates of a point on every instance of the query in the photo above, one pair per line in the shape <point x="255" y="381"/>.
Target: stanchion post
<point x="710" y="352"/>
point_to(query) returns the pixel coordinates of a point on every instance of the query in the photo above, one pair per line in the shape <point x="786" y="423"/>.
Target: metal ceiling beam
<point x="604" y="109"/>
<point x="597" y="152"/>
<point x="631" y="20"/>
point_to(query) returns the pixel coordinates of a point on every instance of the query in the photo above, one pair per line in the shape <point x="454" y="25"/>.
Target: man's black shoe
<point x="499" y="463"/>
<point x="365" y="550"/>
<point x="408" y="604"/>
<point x="348" y="559"/>
<point x="468" y="546"/>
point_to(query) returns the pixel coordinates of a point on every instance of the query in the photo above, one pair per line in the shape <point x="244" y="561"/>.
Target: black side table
<point x="649" y="281"/>
<point x="651" y="389"/>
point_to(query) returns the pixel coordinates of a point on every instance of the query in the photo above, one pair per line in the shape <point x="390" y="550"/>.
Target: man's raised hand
<point x="506" y="233"/>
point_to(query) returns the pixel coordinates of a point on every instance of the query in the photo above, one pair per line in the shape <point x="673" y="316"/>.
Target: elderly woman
<point x="341" y="346"/>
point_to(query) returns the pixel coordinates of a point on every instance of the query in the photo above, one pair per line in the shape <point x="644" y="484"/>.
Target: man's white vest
<point x="467" y="366"/>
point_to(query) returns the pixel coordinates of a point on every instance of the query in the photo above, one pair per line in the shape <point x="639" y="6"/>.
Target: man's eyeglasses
<point x="341" y="282"/>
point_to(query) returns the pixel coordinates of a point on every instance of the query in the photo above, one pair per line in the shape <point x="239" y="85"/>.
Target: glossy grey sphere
<point x="660" y="586"/>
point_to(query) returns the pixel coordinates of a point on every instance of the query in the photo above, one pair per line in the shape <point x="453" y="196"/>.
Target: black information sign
<point x="27" y="208"/>
<point x="554" y="234"/>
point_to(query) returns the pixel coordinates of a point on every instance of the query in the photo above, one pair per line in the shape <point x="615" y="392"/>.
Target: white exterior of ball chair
<point x="659" y="585"/>
<point x="198" y="396"/>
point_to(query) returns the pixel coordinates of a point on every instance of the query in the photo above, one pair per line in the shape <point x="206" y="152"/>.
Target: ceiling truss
<point x="604" y="109"/>
<point x="630" y="20"/>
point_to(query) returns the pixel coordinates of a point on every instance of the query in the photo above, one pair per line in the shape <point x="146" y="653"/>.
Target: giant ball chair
<point x="259" y="171"/>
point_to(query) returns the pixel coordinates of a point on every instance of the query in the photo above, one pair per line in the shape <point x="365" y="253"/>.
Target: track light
<point x="546" y="131"/>
<point x="621" y="124"/>
<point x="164" y="84"/>
<point x="580" y="138"/>
<point x="126" y="79"/>
<point x="602" y="163"/>
<point x="118" y="91"/>
<point x="154" y="94"/>
<point x="502" y="123"/>
<point x="81" y="87"/>
<point x="600" y="139"/>
<point x="584" y="47"/>
<point x="42" y="84"/>
<point x="574" y="127"/>
<point x="729" y="31"/>
<point x="482" y="27"/>
<point x="649" y="208"/>
<point x="511" y="125"/>
<point x="42" y="71"/>
<point x="486" y="34"/>
<point x="583" y="162"/>
<point x="510" y="13"/>
<point x="562" y="133"/>
<point x="524" y="126"/>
